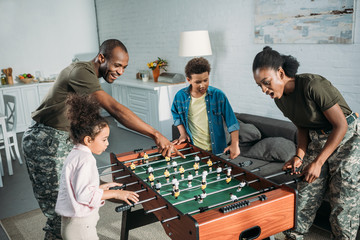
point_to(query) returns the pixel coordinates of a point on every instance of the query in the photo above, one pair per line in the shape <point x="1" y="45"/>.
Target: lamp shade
<point x="194" y="43"/>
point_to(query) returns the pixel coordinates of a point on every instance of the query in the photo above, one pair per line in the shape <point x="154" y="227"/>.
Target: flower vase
<point x="156" y="73"/>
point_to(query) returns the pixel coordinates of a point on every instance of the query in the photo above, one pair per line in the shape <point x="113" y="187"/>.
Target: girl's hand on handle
<point x="107" y="186"/>
<point x="127" y="196"/>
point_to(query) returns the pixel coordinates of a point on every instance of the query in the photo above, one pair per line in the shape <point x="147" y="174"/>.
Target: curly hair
<point x="197" y="66"/>
<point x="269" y="58"/>
<point x="107" y="47"/>
<point x="83" y="111"/>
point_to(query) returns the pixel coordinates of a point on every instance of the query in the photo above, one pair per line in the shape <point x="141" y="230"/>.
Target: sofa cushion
<point x="248" y="133"/>
<point x="270" y="149"/>
<point x="270" y="127"/>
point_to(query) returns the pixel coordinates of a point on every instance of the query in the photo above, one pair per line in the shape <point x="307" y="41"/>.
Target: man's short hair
<point x="107" y="47"/>
<point x="197" y="66"/>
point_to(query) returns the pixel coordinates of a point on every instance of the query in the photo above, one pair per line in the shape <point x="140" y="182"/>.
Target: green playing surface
<point x="185" y="193"/>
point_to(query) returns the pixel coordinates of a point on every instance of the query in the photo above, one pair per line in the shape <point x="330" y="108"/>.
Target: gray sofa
<point x="268" y="143"/>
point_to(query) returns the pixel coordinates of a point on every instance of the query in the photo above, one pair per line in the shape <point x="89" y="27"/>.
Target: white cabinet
<point x="148" y="100"/>
<point x="44" y="89"/>
<point x="28" y="97"/>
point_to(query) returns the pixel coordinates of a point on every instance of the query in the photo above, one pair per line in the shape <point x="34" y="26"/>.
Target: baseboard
<point x="3" y="234"/>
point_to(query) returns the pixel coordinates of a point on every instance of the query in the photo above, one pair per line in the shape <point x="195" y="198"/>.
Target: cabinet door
<point x="143" y="102"/>
<point x="30" y="102"/>
<point x="43" y="90"/>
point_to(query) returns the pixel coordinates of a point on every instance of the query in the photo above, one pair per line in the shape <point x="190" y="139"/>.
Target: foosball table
<point x="202" y="196"/>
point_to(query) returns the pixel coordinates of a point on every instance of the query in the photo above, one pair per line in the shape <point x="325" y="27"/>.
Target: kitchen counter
<point x="20" y="84"/>
<point x="28" y="98"/>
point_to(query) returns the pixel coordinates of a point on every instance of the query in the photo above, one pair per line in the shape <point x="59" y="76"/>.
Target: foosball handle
<point x="118" y="187"/>
<point x="299" y="179"/>
<point x="123" y="208"/>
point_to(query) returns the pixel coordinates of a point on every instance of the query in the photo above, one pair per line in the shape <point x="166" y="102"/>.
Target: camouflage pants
<point x="339" y="178"/>
<point x="45" y="150"/>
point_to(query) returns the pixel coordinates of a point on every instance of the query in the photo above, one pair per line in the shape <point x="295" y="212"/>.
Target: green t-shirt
<point x="313" y="95"/>
<point x="79" y="77"/>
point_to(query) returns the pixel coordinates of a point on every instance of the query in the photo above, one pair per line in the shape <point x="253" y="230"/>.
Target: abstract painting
<point x="304" y="21"/>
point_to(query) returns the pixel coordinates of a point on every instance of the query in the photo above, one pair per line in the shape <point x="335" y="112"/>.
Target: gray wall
<point x="152" y="28"/>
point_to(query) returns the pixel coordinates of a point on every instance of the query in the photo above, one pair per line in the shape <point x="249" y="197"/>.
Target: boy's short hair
<point x="197" y="66"/>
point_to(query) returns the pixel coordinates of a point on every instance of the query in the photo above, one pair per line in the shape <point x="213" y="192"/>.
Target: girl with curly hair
<point x="81" y="195"/>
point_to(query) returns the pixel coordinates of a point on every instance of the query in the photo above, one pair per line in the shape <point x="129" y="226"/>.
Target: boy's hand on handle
<point x="294" y="163"/>
<point x="181" y="139"/>
<point x="234" y="151"/>
<point x="126" y="196"/>
<point x="166" y="147"/>
<point x="107" y="186"/>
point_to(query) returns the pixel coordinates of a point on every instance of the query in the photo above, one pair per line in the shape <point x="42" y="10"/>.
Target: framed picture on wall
<point x="304" y="21"/>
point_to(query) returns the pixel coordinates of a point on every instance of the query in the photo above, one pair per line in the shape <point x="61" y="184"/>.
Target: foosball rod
<point x="215" y="192"/>
<point x="125" y="207"/>
<point x="229" y="201"/>
<point x="157" y="155"/>
<point x="160" y="168"/>
<point x="196" y="186"/>
<point x="107" y="173"/>
<point x="136" y="182"/>
<point x="125" y="176"/>
<point x="242" y="197"/>
<point x="295" y="180"/>
<point x="196" y="176"/>
<point x="107" y="166"/>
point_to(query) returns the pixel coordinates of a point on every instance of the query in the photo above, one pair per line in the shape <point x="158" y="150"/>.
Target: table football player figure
<point x="168" y="159"/>
<point x="151" y="179"/>
<point x="203" y="183"/>
<point x="197" y="159"/>
<point x="196" y="168"/>
<point x="158" y="186"/>
<point x="242" y="184"/>
<point x="176" y="190"/>
<point x="174" y="180"/>
<point x="167" y="175"/>
<point x="202" y="196"/>
<point x="209" y="163"/>
<point x="228" y="175"/>
<point x="233" y="197"/>
<point x="218" y="172"/>
<point x="133" y="167"/>
<point x="146" y="158"/>
<point x="190" y="178"/>
<point x="150" y="169"/>
<point x="174" y="165"/>
<point x="182" y="171"/>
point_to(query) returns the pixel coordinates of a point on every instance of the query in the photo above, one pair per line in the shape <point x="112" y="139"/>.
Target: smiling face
<point x="113" y="67"/>
<point x="270" y="81"/>
<point x="99" y="144"/>
<point x="199" y="84"/>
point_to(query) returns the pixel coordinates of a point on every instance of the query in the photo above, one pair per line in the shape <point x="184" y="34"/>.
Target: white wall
<point x="44" y="35"/>
<point x="152" y="28"/>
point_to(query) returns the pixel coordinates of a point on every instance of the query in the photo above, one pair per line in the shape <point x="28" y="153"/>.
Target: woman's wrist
<point x="297" y="156"/>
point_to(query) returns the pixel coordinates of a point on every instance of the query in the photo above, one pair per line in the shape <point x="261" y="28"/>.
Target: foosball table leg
<point x="134" y="219"/>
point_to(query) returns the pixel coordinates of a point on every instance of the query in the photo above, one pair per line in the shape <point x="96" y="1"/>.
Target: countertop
<point x="17" y="84"/>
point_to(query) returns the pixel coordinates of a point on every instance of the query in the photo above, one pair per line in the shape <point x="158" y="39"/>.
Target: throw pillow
<point x="277" y="149"/>
<point x="248" y="133"/>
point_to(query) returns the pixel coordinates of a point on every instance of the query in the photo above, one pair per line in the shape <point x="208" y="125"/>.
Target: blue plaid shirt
<point x="218" y="109"/>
